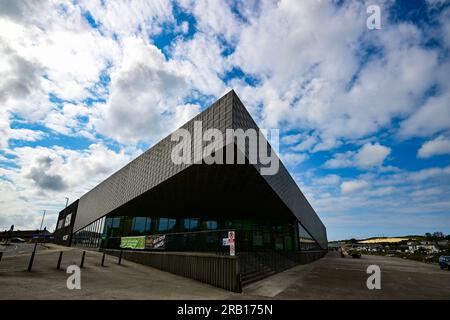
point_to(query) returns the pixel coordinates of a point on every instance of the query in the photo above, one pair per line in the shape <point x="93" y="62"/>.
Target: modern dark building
<point x="153" y="204"/>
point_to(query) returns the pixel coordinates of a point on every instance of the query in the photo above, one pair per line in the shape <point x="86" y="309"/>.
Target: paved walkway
<point x="14" y="249"/>
<point x="334" y="277"/>
<point x="126" y="281"/>
<point x="329" y="278"/>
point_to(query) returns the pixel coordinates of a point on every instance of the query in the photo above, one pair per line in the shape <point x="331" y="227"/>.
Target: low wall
<point x="219" y="271"/>
<point x="305" y="257"/>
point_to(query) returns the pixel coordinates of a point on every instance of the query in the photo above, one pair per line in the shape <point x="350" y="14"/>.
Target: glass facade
<point x="204" y="234"/>
<point x="91" y="235"/>
<point x="306" y="242"/>
<point x="198" y="234"/>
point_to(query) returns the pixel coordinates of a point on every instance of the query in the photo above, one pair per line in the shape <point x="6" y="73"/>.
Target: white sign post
<point x="231" y="238"/>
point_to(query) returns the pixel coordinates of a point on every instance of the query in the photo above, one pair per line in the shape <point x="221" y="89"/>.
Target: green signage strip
<point x="132" y="242"/>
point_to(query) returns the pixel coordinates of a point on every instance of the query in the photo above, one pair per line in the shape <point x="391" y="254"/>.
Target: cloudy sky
<point x="86" y="86"/>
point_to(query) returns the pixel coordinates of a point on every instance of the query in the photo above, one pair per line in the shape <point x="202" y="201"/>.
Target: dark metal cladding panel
<point x="64" y="231"/>
<point x="282" y="182"/>
<point x="155" y="166"/>
<point x="149" y="169"/>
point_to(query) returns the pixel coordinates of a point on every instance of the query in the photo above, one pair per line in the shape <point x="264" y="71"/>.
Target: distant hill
<point x="386" y="240"/>
<point x="374" y="240"/>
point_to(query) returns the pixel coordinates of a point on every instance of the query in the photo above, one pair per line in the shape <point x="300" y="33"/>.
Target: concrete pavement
<point x="345" y="278"/>
<point x="14" y="249"/>
<point x="126" y="281"/>
<point x="329" y="278"/>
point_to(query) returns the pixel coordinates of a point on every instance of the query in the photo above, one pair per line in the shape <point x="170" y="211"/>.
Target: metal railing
<point x="217" y="270"/>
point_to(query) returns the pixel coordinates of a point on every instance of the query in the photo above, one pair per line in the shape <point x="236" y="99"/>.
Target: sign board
<point x="132" y="242"/>
<point x="65" y="237"/>
<point x="155" y="241"/>
<point x="68" y="220"/>
<point x="232" y="250"/>
<point x="231" y="241"/>
<point x="225" y="242"/>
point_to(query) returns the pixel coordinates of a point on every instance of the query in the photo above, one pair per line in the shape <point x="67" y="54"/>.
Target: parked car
<point x="355" y="254"/>
<point x="444" y="262"/>
<point x="16" y="240"/>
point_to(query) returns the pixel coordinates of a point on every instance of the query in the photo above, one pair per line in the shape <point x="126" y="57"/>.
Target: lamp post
<point x="30" y="265"/>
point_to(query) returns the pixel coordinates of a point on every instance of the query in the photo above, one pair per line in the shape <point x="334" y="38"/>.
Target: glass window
<point x="166" y="224"/>
<point x="148" y="225"/>
<point x="139" y="225"/>
<point x="116" y="222"/>
<point x="162" y="224"/>
<point x="115" y="226"/>
<point x="306" y="242"/>
<point x="171" y="223"/>
<point x="126" y="225"/>
<point x="108" y="227"/>
<point x="191" y="224"/>
<point x="211" y="225"/>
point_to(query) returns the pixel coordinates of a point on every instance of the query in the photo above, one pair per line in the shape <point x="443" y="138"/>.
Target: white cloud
<point x="312" y="76"/>
<point x="434" y="173"/>
<point x="313" y="48"/>
<point x="438" y="146"/>
<point x="214" y="18"/>
<point x="48" y="49"/>
<point x="340" y="160"/>
<point x="145" y="89"/>
<point x="305" y="144"/>
<point x="353" y="185"/>
<point x="291" y="139"/>
<point x="331" y="179"/>
<point x="368" y="156"/>
<point x="436" y="3"/>
<point x="7" y="133"/>
<point x="201" y="63"/>
<point x="408" y="199"/>
<point x="307" y="55"/>
<point x="67" y="53"/>
<point x="126" y="18"/>
<point x="432" y="117"/>
<point x="184" y="27"/>
<point x="21" y="85"/>
<point x="293" y="158"/>
<point x="42" y="173"/>
<point x="17" y="210"/>
<point x="73" y="168"/>
<point x="371" y="155"/>
<point x="26" y="134"/>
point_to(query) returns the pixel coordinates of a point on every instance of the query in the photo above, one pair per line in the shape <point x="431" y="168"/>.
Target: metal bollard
<point x="82" y="260"/>
<point x="30" y="264"/>
<point x="103" y="258"/>
<point x="58" y="266"/>
<point x="120" y="257"/>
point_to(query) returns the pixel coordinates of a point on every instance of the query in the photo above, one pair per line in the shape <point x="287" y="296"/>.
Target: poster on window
<point x="155" y="241"/>
<point x="132" y="242"/>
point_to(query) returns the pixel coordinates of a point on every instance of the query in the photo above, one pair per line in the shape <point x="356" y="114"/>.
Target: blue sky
<point x="364" y="115"/>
